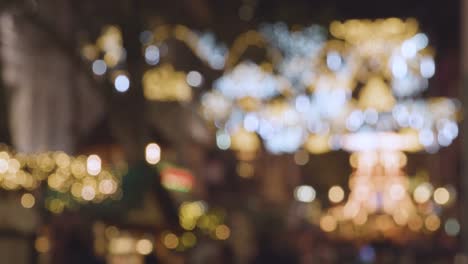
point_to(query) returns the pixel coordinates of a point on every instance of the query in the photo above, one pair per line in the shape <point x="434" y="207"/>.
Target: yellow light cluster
<point x="109" y="43"/>
<point x="81" y="176"/>
<point x="195" y="214"/>
<point x="357" y="31"/>
<point x="190" y="213"/>
<point x="166" y="84"/>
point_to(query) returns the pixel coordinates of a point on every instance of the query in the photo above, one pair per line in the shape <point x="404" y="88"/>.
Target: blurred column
<point x="464" y="98"/>
<point x="47" y="92"/>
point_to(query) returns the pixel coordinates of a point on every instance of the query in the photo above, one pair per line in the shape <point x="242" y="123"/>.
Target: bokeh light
<point x="305" y="193"/>
<point x="152" y="153"/>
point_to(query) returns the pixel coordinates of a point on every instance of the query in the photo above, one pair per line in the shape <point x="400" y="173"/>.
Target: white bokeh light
<point x="305" y="193"/>
<point x="121" y="83"/>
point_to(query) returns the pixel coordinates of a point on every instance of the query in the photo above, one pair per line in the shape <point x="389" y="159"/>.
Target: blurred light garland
<point x="367" y="79"/>
<point x="81" y="178"/>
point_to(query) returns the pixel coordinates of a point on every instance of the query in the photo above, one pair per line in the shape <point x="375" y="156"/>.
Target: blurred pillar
<point x="464" y="98"/>
<point x="46" y="90"/>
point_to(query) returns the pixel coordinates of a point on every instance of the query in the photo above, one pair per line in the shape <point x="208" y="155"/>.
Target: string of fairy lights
<point x="83" y="177"/>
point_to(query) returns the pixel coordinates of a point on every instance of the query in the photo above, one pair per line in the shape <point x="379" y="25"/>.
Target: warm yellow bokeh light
<point x="318" y="144"/>
<point x="422" y="193"/>
<point x="88" y="193"/>
<point x="336" y="194"/>
<point x="222" y="232"/>
<point x="432" y="222"/>
<point x="415" y="223"/>
<point x="144" y="246"/>
<point x="27" y="200"/>
<point x="328" y="223"/>
<point x="166" y="84"/>
<point x="170" y="241"/>
<point x="441" y="196"/>
<point x="245" y="141"/>
<point x="122" y="245"/>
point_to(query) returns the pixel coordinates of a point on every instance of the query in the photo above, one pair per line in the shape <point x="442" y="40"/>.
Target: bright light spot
<point x="399" y="67"/>
<point x="194" y="79"/>
<point x="99" y="67"/>
<point x="122" y="83"/>
<point x="88" y="193"/>
<point x="152" y="153"/>
<point x="152" y="55"/>
<point x="401" y="217"/>
<point x="422" y="193"/>
<point x="421" y="41"/>
<point x="170" y="241"/>
<point x="93" y="165"/>
<point x="107" y="186"/>
<point x="426" y="137"/>
<point x="28" y="200"/>
<point x="427" y="67"/>
<point x="452" y="227"/>
<point x="144" y="246"/>
<point x="443" y="139"/>
<point x="351" y="209"/>
<point x="223" y="140"/>
<point x="122" y="245"/>
<point x="3" y="165"/>
<point x="441" y="196"/>
<point x="397" y="192"/>
<point x="416" y="120"/>
<point x="13" y="166"/>
<point x="336" y="194"/>
<point x="409" y="49"/>
<point x="305" y="193"/>
<point x="328" y="223"/>
<point x="401" y="115"/>
<point x="251" y="122"/>
<point x="355" y="120"/>
<point x="334" y="61"/>
<point x="432" y="222"/>
<point x="222" y="232"/>
<point x="449" y="129"/>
